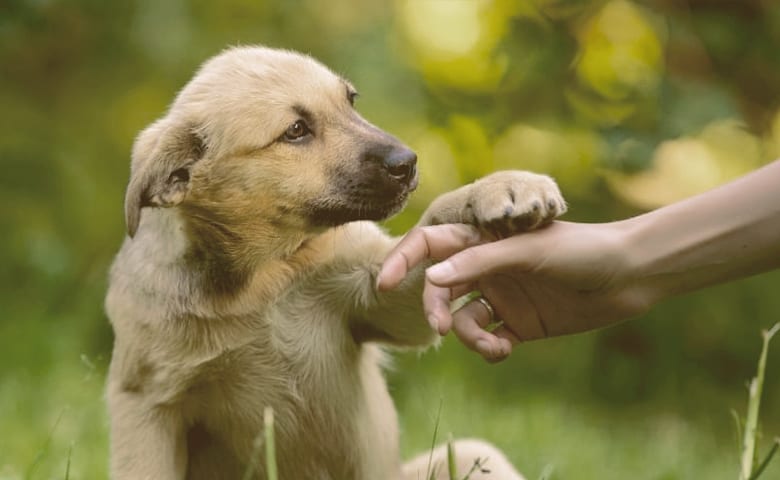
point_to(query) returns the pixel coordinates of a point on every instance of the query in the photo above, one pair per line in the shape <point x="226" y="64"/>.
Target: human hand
<point x="563" y="279"/>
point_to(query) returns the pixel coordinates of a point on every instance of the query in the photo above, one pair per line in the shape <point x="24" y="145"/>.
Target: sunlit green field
<point x="565" y="433"/>
<point x="546" y="418"/>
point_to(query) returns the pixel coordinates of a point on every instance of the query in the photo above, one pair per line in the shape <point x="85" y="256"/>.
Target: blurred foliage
<point x="629" y="104"/>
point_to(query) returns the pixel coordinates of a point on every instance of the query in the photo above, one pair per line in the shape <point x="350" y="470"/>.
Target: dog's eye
<point x="296" y="131"/>
<point x="351" y="96"/>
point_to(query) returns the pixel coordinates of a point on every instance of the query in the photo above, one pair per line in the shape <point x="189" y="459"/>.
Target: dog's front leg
<point x="393" y="317"/>
<point x="502" y="203"/>
<point x="146" y="443"/>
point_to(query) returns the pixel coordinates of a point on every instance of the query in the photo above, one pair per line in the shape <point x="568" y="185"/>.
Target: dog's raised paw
<point x="510" y="201"/>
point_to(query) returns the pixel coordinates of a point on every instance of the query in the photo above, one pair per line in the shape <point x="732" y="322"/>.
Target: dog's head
<point x="262" y="140"/>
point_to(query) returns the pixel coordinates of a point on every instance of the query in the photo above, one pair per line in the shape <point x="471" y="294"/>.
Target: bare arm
<point x="573" y="277"/>
<point x="727" y="233"/>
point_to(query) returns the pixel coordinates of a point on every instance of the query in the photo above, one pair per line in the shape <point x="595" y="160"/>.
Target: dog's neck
<point x="214" y="258"/>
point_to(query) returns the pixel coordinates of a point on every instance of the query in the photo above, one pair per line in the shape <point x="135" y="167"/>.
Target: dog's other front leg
<point x="396" y="316"/>
<point x="393" y="317"/>
<point x="146" y="444"/>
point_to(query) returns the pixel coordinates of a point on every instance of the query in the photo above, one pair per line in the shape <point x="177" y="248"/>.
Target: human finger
<point x="430" y="242"/>
<point x="436" y="307"/>
<point x="436" y="304"/>
<point x="503" y="331"/>
<point x="469" y="324"/>
<point x="512" y="297"/>
<point x="470" y="264"/>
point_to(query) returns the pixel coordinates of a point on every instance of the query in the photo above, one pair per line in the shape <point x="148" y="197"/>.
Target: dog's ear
<point x="163" y="155"/>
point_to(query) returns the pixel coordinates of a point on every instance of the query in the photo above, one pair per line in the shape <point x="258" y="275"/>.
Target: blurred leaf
<point x="620" y="52"/>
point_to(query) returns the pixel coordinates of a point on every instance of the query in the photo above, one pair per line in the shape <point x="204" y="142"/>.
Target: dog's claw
<point x="532" y="199"/>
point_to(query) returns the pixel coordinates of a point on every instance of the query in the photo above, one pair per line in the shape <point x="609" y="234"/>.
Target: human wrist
<point x="642" y="257"/>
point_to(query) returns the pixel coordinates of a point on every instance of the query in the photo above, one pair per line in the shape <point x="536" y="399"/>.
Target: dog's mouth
<point x="372" y="199"/>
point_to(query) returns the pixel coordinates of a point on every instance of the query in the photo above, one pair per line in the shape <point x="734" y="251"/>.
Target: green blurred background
<point x="629" y="104"/>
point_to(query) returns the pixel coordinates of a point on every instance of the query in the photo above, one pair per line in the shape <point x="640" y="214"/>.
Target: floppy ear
<point x="160" y="171"/>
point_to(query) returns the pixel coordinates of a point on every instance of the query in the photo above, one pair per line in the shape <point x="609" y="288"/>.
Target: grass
<point x="561" y="437"/>
<point x="265" y="438"/>
<point x="452" y="470"/>
<point x="62" y="433"/>
<point x="751" y="468"/>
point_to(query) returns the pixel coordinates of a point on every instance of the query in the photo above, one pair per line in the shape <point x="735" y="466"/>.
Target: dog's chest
<point x="324" y="390"/>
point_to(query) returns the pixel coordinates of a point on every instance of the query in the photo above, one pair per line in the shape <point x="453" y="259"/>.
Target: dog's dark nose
<point x="401" y="164"/>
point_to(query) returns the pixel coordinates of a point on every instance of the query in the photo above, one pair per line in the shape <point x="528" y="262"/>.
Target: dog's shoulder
<point x="344" y="262"/>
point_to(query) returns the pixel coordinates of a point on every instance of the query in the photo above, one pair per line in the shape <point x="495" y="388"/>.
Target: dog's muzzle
<point x="401" y="166"/>
<point x="374" y="187"/>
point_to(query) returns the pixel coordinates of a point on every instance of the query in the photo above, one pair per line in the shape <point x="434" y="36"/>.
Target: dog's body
<point x="250" y="283"/>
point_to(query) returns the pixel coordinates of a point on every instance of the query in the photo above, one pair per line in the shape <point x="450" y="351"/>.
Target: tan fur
<point x="230" y="295"/>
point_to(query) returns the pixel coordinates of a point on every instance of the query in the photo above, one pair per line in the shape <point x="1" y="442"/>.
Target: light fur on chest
<point x="285" y="343"/>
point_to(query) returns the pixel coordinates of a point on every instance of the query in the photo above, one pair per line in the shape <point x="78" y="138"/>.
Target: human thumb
<point x="462" y="267"/>
<point x="441" y="273"/>
<point x="473" y="263"/>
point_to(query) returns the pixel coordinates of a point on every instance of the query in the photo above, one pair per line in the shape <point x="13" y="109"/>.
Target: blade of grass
<point x="738" y="426"/>
<point x="749" y="455"/>
<point x="428" y="472"/>
<point x="547" y="472"/>
<point x="479" y="464"/>
<point x="67" y="465"/>
<point x="452" y="469"/>
<point x="766" y="460"/>
<point x="266" y="437"/>
<point x="42" y="452"/>
<point x="270" y="446"/>
<point x="257" y="444"/>
<point x="434" y="473"/>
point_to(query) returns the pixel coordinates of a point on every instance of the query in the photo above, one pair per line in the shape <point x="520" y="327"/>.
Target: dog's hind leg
<point x="483" y="460"/>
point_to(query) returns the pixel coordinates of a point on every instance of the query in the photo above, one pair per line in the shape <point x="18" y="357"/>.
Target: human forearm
<point x="727" y="233"/>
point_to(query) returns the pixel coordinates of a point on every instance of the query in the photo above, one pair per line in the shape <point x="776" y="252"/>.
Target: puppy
<point x="247" y="279"/>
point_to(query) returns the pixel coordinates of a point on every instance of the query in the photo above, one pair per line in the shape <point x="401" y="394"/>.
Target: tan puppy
<point x="247" y="279"/>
